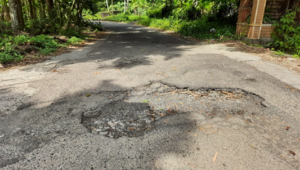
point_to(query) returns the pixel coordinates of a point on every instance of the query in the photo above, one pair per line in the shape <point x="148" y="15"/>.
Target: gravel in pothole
<point x="137" y="111"/>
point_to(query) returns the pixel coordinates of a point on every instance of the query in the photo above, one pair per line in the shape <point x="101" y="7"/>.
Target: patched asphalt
<point x="140" y="99"/>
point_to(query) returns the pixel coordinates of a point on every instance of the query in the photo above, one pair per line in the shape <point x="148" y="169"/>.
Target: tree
<point x="112" y="7"/>
<point x="107" y="5"/>
<point x="49" y="7"/>
<point x="124" y="5"/>
<point x="13" y="8"/>
<point x="5" y="10"/>
<point x="32" y="14"/>
<point x="20" y="14"/>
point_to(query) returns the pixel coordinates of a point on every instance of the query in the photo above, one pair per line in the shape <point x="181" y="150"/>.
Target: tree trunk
<point x="42" y="9"/>
<point x="79" y="13"/>
<point x="70" y="14"/>
<point x="34" y="9"/>
<point x="2" y="16"/>
<point x="49" y="6"/>
<point x="31" y="9"/>
<point x="112" y="7"/>
<point x="107" y="5"/>
<point x="13" y="8"/>
<point x="20" y="14"/>
<point x="124" y="6"/>
<point x="26" y="12"/>
<point x="6" y="10"/>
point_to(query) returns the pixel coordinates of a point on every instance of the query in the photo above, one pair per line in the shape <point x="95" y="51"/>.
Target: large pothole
<point x="136" y="112"/>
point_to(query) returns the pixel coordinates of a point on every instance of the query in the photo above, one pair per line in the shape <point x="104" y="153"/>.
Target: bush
<point x="156" y="13"/>
<point x="124" y="18"/>
<point x="71" y="32"/>
<point x="8" y="51"/>
<point x="74" y="40"/>
<point x="145" y="22"/>
<point x="21" y="39"/>
<point x="286" y="36"/>
<point x="45" y="44"/>
<point x="201" y="29"/>
<point x="192" y="13"/>
<point x="5" y="28"/>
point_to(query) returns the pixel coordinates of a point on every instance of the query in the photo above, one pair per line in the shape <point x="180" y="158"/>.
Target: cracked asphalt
<point x="141" y="99"/>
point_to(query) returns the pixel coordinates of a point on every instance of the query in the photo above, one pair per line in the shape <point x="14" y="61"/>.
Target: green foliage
<point x="296" y="56"/>
<point x="91" y="17"/>
<point x="124" y="18"/>
<point x="8" y="51"/>
<point x="45" y="44"/>
<point x="10" y="56"/>
<point x="286" y="36"/>
<point x="155" y="13"/>
<point x="5" y="27"/>
<point x="279" y="53"/>
<point x="201" y="29"/>
<point x="71" y="32"/>
<point x="74" y="40"/>
<point x="43" y="41"/>
<point x="118" y="6"/>
<point x="267" y="16"/>
<point x="21" y="39"/>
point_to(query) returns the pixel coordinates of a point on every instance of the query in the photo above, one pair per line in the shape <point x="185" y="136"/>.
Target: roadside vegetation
<point x="33" y="29"/>
<point x="214" y="19"/>
<point x="30" y="27"/>
<point x="201" y="19"/>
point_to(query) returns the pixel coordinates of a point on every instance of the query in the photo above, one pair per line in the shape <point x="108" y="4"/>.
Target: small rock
<point x="155" y="85"/>
<point x="1" y="136"/>
<point x="97" y="122"/>
<point x="103" y="133"/>
<point x="1" y="66"/>
<point x="112" y="124"/>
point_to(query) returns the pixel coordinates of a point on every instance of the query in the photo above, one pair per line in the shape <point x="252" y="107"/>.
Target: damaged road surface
<point x="144" y="100"/>
<point x="133" y="116"/>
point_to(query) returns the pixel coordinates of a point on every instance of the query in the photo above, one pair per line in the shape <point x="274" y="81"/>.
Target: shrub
<point x="8" y="52"/>
<point x="286" y="36"/>
<point x="201" y="29"/>
<point x="71" y="32"/>
<point x="156" y="13"/>
<point x="74" y="40"/>
<point x="21" y="39"/>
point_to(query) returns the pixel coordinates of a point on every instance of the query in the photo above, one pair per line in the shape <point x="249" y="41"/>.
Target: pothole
<point x="135" y="114"/>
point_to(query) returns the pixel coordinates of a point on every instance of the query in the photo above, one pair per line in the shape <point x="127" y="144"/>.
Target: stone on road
<point x="140" y="99"/>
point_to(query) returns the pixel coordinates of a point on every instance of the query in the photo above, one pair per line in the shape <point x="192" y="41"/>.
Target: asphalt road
<point x="140" y="99"/>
